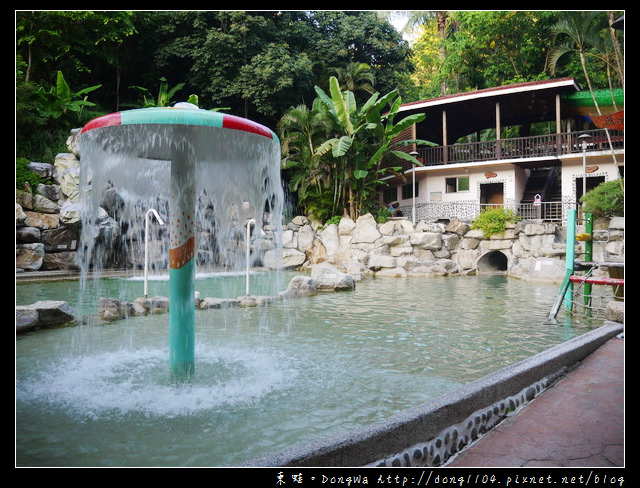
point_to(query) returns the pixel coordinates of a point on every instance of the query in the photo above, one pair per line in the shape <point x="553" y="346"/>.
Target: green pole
<point x="570" y="255"/>
<point x="182" y="270"/>
<point x="588" y="256"/>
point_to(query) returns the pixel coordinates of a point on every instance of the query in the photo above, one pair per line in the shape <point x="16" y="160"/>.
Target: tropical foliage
<point x="494" y="220"/>
<point x="258" y="64"/>
<point x="276" y="67"/>
<point x="458" y="51"/>
<point x="334" y="151"/>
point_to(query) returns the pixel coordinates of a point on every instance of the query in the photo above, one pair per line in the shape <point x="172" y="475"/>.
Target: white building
<point x="527" y="146"/>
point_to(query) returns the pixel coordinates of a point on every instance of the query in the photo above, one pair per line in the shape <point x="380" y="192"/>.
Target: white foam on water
<point x="137" y="382"/>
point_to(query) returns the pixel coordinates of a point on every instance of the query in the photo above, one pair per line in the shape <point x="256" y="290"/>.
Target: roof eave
<point x="491" y="92"/>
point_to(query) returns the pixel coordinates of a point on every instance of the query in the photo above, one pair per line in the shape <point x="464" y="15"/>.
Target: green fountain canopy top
<point x="179" y="115"/>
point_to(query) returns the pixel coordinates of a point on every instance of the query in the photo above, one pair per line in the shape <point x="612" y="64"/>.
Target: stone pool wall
<point x="529" y="250"/>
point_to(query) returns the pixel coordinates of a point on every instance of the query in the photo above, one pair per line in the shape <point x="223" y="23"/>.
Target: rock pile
<point x="528" y="250"/>
<point x="48" y="221"/>
<point x="48" y="232"/>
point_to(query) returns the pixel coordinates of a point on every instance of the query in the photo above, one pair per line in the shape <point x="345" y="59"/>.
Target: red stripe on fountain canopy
<point x="228" y="121"/>
<point x="104" y="121"/>
<point x="238" y="123"/>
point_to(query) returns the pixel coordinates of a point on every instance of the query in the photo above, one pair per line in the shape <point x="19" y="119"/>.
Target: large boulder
<point x="346" y="226"/>
<point x="67" y="174"/>
<point x="366" y="230"/>
<point x="317" y="253"/>
<point x="426" y="240"/>
<point x="306" y="236"/>
<point x="283" y="258"/>
<point x="213" y="302"/>
<point x="301" y="286"/>
<point x="114" y="309"/>
<point x="615" y="311"/>
<point x="330" y="278"/>
<point x="26" y="318"/>
<point x="151" y="305"/>
<point x="331" y="239"/>
<point x="29" y="256"/>
<point x="45" y="313"/>
<point x="28" y="235"/>
<point x="60" y="260"/>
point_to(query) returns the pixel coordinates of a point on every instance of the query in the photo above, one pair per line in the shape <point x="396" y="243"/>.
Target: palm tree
<point x="301" y="130"/>
<point x="582" y="31"/>
<point x="579" y="31"/>
<point x="334" y="151"/>
<point x="619" y="62"/>
<point x="417" y="18"/>
<point x="365" y="138"/>
<point x="356" y="77"/>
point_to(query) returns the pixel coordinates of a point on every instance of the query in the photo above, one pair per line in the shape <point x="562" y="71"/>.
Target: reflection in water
<point x="268" y="377"/>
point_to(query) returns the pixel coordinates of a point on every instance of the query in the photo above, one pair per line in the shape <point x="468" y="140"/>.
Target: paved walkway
<point x="579" y="422"/>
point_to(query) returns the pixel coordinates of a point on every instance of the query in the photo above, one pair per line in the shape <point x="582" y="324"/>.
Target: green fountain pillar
<point x="182" y="246"/>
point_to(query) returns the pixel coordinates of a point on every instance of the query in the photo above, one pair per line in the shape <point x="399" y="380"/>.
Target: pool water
<point x="266" y="377"/>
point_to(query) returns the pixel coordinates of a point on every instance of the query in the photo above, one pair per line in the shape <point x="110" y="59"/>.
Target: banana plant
<point x="60" y="100"/>
<point x="365" y="139"/>
<point x="165" y="95"/>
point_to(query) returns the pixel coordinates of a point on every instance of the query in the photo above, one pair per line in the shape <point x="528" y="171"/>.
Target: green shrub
<point x="25" y="175"/>
<point x="494" y="220"/>
<point x="605" y="200"/>
<point x="334" y="220"/>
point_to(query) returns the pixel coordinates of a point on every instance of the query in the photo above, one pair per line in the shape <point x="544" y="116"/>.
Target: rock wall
<point x="527" y="250"/>
<point x="48" y="221"/>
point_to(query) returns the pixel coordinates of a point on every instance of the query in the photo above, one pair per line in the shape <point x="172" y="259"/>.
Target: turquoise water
<point x="266" y="377"/>
<point x="83" y="299"/>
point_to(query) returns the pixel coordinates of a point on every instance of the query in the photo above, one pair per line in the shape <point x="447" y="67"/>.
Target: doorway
<point x="492" y="194"/>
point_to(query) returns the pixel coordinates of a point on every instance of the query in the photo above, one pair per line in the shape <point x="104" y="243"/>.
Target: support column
<point x="498" y="132"/>
<point x="182" y="268"/>
<point x="588" y="257"/>
<point x="445" y="145"/>
<point x="570" y="255"/>
<point x="558" y="125"/>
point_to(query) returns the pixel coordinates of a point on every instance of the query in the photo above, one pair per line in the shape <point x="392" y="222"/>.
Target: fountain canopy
<point x="181" y="114"/>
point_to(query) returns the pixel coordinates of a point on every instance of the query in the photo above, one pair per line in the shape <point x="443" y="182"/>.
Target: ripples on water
<point x="266" y="378"/>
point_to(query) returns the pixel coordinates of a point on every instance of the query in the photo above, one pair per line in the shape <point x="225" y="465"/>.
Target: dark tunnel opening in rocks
<point x="492" y="262"/>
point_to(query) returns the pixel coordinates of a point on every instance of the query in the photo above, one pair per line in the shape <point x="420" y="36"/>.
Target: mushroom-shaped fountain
<point x="232" y="160"/>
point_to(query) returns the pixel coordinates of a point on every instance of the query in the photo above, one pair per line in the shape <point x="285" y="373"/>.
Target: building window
<point x="407" y="190"/>
<point x="390" y="195"/>
<point x="455" y="185"/>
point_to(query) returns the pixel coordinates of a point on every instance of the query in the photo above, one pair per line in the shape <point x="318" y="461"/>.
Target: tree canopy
<point x="275" y="67"/>
<point x="254" y="64"/>
<point x="468" y="50"/>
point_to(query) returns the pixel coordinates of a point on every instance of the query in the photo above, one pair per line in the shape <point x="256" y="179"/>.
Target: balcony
<point x="544" y="146"/>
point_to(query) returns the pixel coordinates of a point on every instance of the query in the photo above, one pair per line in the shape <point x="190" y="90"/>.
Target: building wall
<point x="440" y="203"/>
<point x="599" y="165"/>
<point x="432" y="185"/>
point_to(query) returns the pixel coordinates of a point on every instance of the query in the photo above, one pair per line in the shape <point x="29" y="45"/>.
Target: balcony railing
<point x="433" y="211"/>
<point x="552" y="145"/>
